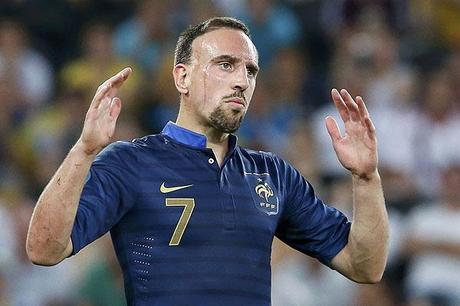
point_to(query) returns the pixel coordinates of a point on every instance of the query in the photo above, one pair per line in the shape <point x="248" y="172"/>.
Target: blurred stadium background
<point x="402" y="56"/>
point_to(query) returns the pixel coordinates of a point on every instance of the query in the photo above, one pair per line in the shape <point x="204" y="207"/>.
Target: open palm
<point x="357" y="148"/>
<point x="102" y="114"/>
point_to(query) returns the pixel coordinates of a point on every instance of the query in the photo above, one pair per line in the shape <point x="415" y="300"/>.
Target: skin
<point x="364" y="257"/>
<point x="48" y="239"/>
<point x="222" y="71"/>
<point x="215" y="89"/>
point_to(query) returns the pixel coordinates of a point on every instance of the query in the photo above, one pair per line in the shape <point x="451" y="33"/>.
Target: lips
<point x="237" y="101"/>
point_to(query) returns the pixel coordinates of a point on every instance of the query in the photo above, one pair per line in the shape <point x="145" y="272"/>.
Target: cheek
<point x="213" y="82"/>
<point x="250" y="91"/>
<point x="214" y="75"/>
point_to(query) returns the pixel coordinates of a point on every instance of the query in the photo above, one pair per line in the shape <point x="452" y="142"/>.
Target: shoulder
<point x="257" y="155"/>
<point x="275" y="165"/>
<point x="268" y="160"/>
<point x="128" y="151"/>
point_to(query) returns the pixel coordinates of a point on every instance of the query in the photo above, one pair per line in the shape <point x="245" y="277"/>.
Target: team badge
<point x="263" y="194"/>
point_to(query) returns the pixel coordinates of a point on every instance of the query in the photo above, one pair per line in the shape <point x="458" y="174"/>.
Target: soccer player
<point x="192" y="215"/>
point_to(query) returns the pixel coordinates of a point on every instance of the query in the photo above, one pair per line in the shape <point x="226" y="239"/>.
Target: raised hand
<point x="102" y="114"/>
<point x="357" y="149"/>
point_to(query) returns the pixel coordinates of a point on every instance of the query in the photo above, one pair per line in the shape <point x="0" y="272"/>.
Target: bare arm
<point x="364" y="257"/>
<point x="48" y="238"/>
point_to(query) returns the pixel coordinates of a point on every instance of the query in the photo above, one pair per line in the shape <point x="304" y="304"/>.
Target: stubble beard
<point x="226" y="121"/>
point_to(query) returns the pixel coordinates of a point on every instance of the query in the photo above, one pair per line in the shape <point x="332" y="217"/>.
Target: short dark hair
<point x="183" y="51"/>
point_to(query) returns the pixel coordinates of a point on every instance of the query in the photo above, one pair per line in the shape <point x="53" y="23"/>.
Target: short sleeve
<point x="107" y="195"/>
<point x="307" y="224"/>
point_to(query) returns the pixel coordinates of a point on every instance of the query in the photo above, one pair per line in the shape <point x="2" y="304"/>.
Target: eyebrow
<point x="233" y="59"/>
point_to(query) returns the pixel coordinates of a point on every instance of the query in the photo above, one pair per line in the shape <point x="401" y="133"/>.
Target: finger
<point x="115" y="108"/>
<point x="118" y="79"/>
<point x="370" y="127"/>
<point x="114" y="82"/>
<point x="365" y="117"/>
<point x="360" y="103"/>
<point x="101" y="92"/>
<point x="362" y="107"/>
<point x="340" y="105"/>
<point x="333" y="129"/>
<point x="351" y="105"/>
<point x="105" y="105"/>
<point x="113" y="114"/>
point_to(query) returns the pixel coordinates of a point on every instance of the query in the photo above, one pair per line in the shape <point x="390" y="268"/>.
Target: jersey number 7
<point x="189" y="205"/>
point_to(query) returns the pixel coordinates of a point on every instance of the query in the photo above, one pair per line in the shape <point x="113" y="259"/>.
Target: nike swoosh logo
<point x="164" y="189"/>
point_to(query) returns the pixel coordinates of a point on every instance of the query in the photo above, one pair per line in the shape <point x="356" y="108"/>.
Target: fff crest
<point x="263" y="195"/>
<point x="264" y="191"/>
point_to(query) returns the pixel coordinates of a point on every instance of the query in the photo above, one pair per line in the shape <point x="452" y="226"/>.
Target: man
<point x="192" y="215"/>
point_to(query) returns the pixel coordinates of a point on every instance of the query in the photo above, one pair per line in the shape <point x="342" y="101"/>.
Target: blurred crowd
<point x="402" y="56"/>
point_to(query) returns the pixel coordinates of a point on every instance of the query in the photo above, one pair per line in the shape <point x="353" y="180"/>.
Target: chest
<point x="187" y="199"/>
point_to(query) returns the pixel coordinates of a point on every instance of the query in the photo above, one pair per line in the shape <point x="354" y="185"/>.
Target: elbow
<point x="39" y="260"/>
<point x="368" y="278"/>
<point x="39" y="256"/>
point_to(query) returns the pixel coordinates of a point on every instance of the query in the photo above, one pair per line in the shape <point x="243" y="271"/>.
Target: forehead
<point x="224" y="42"/>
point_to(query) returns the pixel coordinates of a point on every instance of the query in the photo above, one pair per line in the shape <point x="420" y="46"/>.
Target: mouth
<point x="236" y="101"/>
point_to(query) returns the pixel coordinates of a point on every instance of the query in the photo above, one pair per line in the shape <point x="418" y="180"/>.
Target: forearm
<point x="48" y="238"/>
<point x="368" y="238"/>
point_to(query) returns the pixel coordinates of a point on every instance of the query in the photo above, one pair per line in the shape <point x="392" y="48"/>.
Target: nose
<point x="241" y="80"/>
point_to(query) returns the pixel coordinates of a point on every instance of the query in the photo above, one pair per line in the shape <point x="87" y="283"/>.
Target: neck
<point x="215" y="140"/>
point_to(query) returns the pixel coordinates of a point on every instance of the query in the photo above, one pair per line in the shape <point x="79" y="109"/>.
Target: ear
<point x="181" y="78"/>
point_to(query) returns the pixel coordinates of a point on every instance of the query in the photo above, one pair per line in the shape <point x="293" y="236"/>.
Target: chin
<point x="226" y="120"/>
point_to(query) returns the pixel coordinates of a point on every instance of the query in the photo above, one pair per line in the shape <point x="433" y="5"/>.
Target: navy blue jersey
<point x="188" y="232"/>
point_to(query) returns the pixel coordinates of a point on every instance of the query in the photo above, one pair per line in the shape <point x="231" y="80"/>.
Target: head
<point x="438" y="99"/>
<point x="13" y="38"/>
<point x="450" y="180"/>
<point x="215" y="71"/>
<point x="96" y="40"/>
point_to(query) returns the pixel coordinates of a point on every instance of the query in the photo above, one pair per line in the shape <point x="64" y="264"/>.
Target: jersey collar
<point x="191" y="138"/>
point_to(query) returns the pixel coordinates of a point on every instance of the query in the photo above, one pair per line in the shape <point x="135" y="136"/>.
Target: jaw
<point x="226" y="120"/>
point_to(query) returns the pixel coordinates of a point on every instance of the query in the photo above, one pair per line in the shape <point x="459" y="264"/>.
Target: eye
<point x="251" y="72"/>
<point x="225" y="65"/>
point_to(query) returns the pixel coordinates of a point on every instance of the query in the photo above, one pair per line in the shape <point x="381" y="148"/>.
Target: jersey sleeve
<point x="307" y="224"/>
<point x="107" y="195"/>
